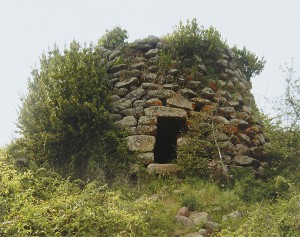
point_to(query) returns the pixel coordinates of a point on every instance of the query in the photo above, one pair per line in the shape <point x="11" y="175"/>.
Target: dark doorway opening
<point x="168" y="129"/>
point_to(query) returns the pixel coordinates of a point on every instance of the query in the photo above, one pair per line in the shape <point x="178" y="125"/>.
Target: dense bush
<point x="41" y="203"/>
<point x="189" y="40"/>
<point x="64" y="119"/>
<point x="113" y="38"/>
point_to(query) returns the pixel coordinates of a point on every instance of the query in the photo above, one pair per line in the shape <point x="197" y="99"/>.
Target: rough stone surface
<point x="163" y="168"/>
<point x="144" y="91"/>
<point x="128" y="121"/>
<point x="161" y="111"/>
<point x="147" y="120"/>
<point x="199" y="218"/>
<point x="184" y="211"/>
<point x="180" y="102"/>
<point x="184" y="220"/>
<point x="141" y="143"/>
<point x="127" y="83"/>
<point x="232" y="215"/>
<point x="146" y="158"/>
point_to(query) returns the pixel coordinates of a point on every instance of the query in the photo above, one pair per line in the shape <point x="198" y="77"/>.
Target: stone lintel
<point x="162" y="111"/>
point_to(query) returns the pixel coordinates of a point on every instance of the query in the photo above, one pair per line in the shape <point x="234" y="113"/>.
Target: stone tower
<point x="154" y="104"/>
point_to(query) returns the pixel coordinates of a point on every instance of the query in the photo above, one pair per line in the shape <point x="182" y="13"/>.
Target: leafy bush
<point x="250" y="64"/>
<point x="64" y="118"/>
<point x="113" y="38"/>
<point x="41" y="203"/>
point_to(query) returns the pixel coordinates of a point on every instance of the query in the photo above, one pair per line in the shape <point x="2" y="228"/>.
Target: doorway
<point x="168" y="129"/>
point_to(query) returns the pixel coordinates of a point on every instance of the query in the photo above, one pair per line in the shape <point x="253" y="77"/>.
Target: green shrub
<point x="64" y="118"/>
<point x="113" y="38"/>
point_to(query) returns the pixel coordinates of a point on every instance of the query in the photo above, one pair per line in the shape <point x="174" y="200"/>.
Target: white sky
<point x="269" y="28"/>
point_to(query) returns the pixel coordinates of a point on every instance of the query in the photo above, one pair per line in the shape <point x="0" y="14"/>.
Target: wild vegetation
<point x="68" y="173"/>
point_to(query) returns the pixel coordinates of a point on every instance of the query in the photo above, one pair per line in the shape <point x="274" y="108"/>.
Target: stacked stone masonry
<point x="144" y="92"/>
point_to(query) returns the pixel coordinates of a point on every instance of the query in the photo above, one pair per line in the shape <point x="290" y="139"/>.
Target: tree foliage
<point x="113" y="38"/>
<point x="64" y="118"/>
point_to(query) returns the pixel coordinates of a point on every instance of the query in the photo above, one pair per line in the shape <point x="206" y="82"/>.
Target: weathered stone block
<point x="146" y="120"/>
<point x="120" y="105"/>
<point x="146" y="130"/>
<point x="141" y="143"/>
<point x="163" y="168"/>
<point x="127" y="83"/>
<point x="153" y="102"/>
<point x="162" y="111"/>
<point x="128" y="121"/>
<point x="245" y="160"/>
<point x="146" y="158"/>
<point x="180" y="102"/>
<point x="161" y="94"/>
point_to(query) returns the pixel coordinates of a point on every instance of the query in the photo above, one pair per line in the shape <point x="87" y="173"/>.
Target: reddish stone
<point x="230" y="129"/>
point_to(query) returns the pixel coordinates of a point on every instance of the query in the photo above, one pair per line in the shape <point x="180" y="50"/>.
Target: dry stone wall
<point x="144" y="92"/>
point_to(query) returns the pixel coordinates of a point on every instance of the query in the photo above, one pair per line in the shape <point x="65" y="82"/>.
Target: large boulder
<point x="162" y="111"/>
<point x="141" y="143"/>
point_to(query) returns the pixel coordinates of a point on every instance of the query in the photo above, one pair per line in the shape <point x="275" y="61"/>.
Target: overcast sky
<point x="269" y="28"/>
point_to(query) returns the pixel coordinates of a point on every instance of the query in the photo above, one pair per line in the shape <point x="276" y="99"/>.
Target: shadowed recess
<point x="167" y="133"/>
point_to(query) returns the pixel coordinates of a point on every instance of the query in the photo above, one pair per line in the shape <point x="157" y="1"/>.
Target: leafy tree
<point x="250" y="64"/>
<point x="64" y="119"/>
<point x="113" y="38"/>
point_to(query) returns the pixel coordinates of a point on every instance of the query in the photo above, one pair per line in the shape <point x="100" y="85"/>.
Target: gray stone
<point x="136" y="73"/>
<point x="184" y="220"/>
<point x="138" y="66"/>
<point x="227" y="112"/>
<point x="173" y="71"/>
<point x="173" y="87"/>
<point x="141" y="103"/>
<point x="222" y="63"/>
<point x="188" y="93"/>
<point x="234" y="104"/>
<point x="239" y="123"/>
<point x="146" y="158"/>
<point x="242" y="149"/>
<point x="213" y="226"/>
<point x="181" y="81"/>
<point x="120" y="105"/>
<point x="200" y="101"/>
<point x="127" y="83"/>
<point x="116" y="117"/>
<point x="153" y="102"/>
<point x="139" y="112"/>
<point x="147" y="120"/>
<point x="232" y="215"/>
<point x="135" y="95"/>
<point x="199" y="218"/>
<point x="146" y="130"/>
<point x="151" y="53"/>
<point x="163" y="168"/>
<point x="194" y="84"/>
<point x="152" y="40"/>
<point x="131" y="130"/>
<point x="243" y="138"/>
<point x="169" y="79"/>
<point x="149" y="77"/>
<point x="128" y="112"/>
<point x="247" y="109"/>
<point x="149" y="86"/>
<point x="153" y="69"/>
<point x="202" y="67"/>
<point x="117" y="68"/>
<point x="141" y="143"/>
<point x="128" y="121"/>
<point x="220" y="120"/>
<point x="180" y="102"/>
<point x="123" y="92"/>
<point x="244" y="160"/>
<point x="114" y="54"/>
<point x="203" y="232"/>
<point x="259" y="140"/>
<point x="183" y="211"/>
<point x="207" y="93"/>
<point x="161" y="94"/>
<point x="162" y="111"/>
